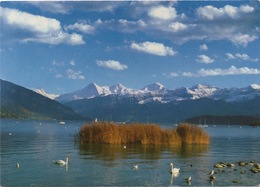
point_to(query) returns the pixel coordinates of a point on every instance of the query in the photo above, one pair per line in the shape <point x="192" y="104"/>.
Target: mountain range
<point x="157" y="92"/>
<point x="156" y="103"/>
<point x="152" y="103"/>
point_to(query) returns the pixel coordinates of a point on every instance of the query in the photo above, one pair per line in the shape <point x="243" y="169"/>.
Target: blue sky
<point x="63" y="46"/>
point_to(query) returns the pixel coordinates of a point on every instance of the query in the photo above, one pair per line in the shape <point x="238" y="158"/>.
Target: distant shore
<point x="225" y="120"/>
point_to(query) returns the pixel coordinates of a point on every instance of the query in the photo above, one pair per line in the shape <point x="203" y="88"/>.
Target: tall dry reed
<point x="111" y="133"/>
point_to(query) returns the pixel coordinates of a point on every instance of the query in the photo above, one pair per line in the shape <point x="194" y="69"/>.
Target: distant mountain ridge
<point x="158" y="92"/>
<point x="153" y="103"/>
<point x="121" y="108"/>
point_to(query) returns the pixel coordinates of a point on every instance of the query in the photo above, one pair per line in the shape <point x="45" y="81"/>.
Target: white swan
<point x="62" y="162"/>
<point x="135" y="167"/>
<point x="212" y="177"/>
<point x="212" y="172"/>
<point x="188" y="179"/>
<point x="174" y="170"/>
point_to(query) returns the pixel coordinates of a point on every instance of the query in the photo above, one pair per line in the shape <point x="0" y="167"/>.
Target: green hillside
<point x="19" y="102"/>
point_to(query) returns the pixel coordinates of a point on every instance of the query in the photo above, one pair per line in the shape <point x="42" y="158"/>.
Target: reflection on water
<point x="34" y="145"/>
<point x="114" y="152"/>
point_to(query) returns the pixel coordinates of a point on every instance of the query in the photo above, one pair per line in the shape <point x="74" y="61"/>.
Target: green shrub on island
<point x="136" y="133"/>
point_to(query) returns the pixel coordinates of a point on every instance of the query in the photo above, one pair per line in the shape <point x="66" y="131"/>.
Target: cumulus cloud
<point x="75" y="75"/>
<point x="162" y="21"/>
<point x="163" y="13"/>
<point x="82" y="27"/>
<point x="154" y="48"/>
<point x="203" y="47"/>
<point x="233" y="70"/>
<point x="210" y="12"/>
<point x="111" y="64"/>
<point x="242" y="39"/>
<point x="240" y="56"/>
<point x="177" y="26"/>
<point x="204" y="59"/>
<point x="230" y="56"/>
<point x="121" y="25"/>
<point x="36" y="28"/>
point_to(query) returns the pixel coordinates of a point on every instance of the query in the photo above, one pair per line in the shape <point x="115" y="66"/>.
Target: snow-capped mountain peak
<point x="118" y="89"/>
<point x="94" y="90"/>
<point x="41" y="91"/>
<point x="157" y="92"/>
<point x="154" y="87"/>
<point x="255" y="86"/>
<point x="200" y="91"/>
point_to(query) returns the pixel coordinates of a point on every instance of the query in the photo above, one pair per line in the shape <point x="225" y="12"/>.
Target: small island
<point x="145" y="134"/>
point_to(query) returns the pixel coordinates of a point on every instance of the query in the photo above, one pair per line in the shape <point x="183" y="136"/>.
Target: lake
<point x="36" y="144"/>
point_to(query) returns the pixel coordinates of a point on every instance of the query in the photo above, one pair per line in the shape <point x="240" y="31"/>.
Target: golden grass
<point x="145" y="134"/>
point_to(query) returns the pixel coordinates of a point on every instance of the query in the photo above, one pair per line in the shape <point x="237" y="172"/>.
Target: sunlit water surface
<point x="35" y="144"/>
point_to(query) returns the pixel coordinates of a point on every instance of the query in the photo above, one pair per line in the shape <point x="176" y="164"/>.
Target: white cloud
<point x="59" y="7"/>
<point x="230" y="56"/>
<point x="204" y="59"/>
<point x="121" y="25"/>
<point x="82" y="27"/>
<point x="181" y="28"/>
<point x="188" y="74"/>
<point x="33" y="23"/>
<point x="222" y="72"/>
<point x="230" y="71"/>
<point x="235" y="24"/>
<point x="111" y="64"/>
<point x="233" y="70"/>
<point x="210" y="12"/>
<point x="72" y="62"/>
<point x="240" y="56"/>
<point x="203" y="47"/>
<point x="153" y="48"/>
<point x="75" y="74"/>
<point x="242" y="39"/>
<point x="163" y="13"/>
<point x="36" y="28"/>
<point x="52" y="6"/>
<point x="177" y="26"/>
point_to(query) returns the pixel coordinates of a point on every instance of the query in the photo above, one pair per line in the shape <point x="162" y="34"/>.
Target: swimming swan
<point x="135" y="167"/>
<point x="174" y="170"/>
<point x="212" y="172"/>
<point x="62" y="162"/>
<point x="188" y="179"/>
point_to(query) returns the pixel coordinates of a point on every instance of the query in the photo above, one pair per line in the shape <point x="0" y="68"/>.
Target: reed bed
<point x="145" y="134"/>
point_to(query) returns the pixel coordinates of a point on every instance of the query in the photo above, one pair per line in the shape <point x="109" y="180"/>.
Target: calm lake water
<point x="35" y="144"/>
